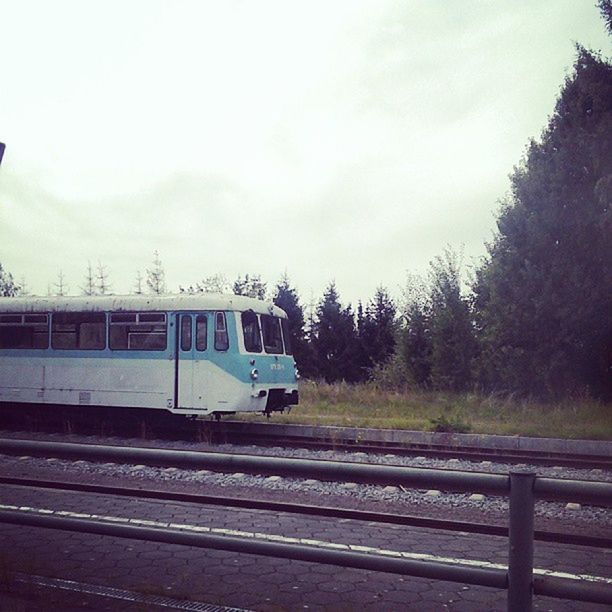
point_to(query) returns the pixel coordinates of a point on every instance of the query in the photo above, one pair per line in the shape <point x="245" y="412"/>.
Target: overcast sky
<point x="332" y="140"/>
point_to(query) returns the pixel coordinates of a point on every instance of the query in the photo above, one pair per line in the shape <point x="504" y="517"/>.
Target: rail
<point x="521" y="487"/>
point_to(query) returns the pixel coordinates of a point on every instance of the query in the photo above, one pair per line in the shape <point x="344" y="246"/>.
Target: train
<point x="192" y="355"/>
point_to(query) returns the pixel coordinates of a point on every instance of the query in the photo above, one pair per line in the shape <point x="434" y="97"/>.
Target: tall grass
<point x="370" y="405"/>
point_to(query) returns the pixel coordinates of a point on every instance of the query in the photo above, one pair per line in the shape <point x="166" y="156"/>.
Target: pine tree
<point x="102" y="284"/>
<point x="251" y="286"/>
<point x="138" y="283"/>
<point x="217" y="283"/>
<point x="334" y="340"/>
<point x="89" y="286"/>
<point x="8" y="286"/>
<point x="377" y="329"/>
<point x="453" y="345"/>
<point x="286" y="297"/>
<point x="415" y="337"/>
<point x="543" y="297"/>
<point x="61" y="288"/>
<point x="156" y="276"/>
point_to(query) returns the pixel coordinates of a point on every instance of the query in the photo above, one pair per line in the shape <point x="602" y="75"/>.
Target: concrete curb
<point x="601" y="448"/>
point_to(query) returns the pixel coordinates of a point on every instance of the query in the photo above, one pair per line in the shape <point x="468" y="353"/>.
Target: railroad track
<point x="138" y="423"/>
<point x="303" y="509"/>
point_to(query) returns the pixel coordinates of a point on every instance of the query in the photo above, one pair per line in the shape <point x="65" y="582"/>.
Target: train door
<point x="192" y="371"/>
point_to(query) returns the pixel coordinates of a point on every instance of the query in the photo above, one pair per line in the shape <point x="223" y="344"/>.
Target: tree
<point x="377" y="328"/>
<point x="286" y="297"/>
<point x="251" y="286"/>
<point x="102" y="284"/>
<point x="8" y="286"/>
<point x="543" y="295"/>
<point x="138" y="283"/>
<point x="217" y="283"/>
<point x="89" y="286"/>
<point x="61" y="288"/>
<point x="415" y="337"/>
<point x="156" y="277"/>
<point x="605" y="6"/>
<point x="334" y="340"/>
<point x="453" y="344"/>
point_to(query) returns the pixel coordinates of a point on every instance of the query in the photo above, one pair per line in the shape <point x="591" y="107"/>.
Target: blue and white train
<point x="203" y="354"/>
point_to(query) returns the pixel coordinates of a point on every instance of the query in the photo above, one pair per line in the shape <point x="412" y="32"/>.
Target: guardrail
<point x="521" y="487"/>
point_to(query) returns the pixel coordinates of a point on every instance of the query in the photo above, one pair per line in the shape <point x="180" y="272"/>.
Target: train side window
<point x="185" y="332"/>
<point x="272" y="337"/>
<point x="138" y="331"/>
<point x="286" y="337"/>
<point x="250" y="332"/>
<point x="221" y="337"/>
<point x="201" y="332"/>
<point x="78" y="330"/>
<point x="24" y="331"/>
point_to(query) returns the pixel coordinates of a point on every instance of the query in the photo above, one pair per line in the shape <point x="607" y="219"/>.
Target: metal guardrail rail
<point x="521" y="487"/>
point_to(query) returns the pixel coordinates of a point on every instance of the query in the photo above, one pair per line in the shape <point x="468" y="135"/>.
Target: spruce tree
<point x="8" y="286"/>
<point x="452" y="335"/>
<point x="543" y="297"/>
<point x="286" y="297"/>
<point x="156" y="276"/>
<point x="334" y="339"/>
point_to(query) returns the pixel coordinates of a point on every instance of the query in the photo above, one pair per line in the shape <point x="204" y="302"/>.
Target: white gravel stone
<point x="453" y="460"/>
<point x="311" y="481"/>
<point x="349" y="485"/>
<point x="433" y="493"/>
<point x="477" y="497"/>
<point x="273" y="478"/>
<point x="486" y="463"/>
<point x="237" y="475"/>
<point x="572" y="506"/>
<point x="391" y="489"/>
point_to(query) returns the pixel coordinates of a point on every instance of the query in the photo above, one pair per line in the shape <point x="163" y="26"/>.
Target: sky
<point x="347" y="141"/>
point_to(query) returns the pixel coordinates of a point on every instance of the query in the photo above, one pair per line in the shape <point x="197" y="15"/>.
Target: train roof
<point x="130" y="303"/>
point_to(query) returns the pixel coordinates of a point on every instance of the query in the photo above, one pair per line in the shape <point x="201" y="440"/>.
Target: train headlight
<point x="297" y="374"/>
<point x="254" y="373"/>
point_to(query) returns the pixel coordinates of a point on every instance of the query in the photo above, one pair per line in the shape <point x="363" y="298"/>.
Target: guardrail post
<point x="520" y="558"/>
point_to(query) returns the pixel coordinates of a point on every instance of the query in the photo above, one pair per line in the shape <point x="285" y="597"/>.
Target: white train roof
<point x="131" y="303"/>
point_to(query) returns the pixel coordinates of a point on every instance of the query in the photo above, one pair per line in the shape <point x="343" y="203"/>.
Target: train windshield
<point x="286" y="337"/>
<point x="272" y="337"/>
<point x="250" y="331"/>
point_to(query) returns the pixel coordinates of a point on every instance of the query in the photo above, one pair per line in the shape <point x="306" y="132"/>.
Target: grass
<point x="367" y="405"/>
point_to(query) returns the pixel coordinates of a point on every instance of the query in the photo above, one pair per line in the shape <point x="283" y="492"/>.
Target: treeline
<point x="535" y="319"/>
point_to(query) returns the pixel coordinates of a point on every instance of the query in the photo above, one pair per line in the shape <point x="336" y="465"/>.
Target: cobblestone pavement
<point x="248" y="581"/>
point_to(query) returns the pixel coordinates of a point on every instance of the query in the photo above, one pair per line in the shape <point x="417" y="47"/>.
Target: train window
<point x="24" y="331"/>
<point x="123" y="317"/>
<point x="10" y="318"/>
<point x="201" y="332"/>
<point x="221" y="337"/>
<point x="78" y="330"/>
<point x="272" y="337"/>
<point x="42" y="318"/>
<point x="286" y="337"/>
<point x="250" y="331"/>
<point x="134" y="332"/>
<point x="152" y="317"/>
<point x="185" y="332"/>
